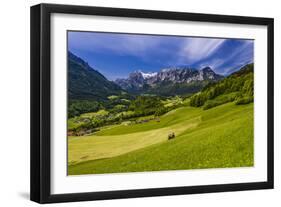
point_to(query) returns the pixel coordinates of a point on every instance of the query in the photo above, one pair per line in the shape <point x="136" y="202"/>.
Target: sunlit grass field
<point x="216" y="138"/>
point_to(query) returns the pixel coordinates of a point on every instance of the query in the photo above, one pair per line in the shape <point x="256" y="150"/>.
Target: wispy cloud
<point x="238" y="57"/>
<point x="196" y="49"/>
<point x="230" y="57"/>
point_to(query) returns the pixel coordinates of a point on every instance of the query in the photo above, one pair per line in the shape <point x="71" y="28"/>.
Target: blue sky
<point x="115" y="55"/>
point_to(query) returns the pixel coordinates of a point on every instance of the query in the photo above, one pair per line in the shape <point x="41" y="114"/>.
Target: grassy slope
<point x="221" y="137"/>
<point x="120" y="139"/>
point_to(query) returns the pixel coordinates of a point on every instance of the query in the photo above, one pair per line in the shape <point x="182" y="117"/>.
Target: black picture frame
<point x="41" y="98"/>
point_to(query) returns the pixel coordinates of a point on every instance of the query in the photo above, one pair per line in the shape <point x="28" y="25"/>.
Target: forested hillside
<point x="86" y="83"/>
<point x="238" y="87"/>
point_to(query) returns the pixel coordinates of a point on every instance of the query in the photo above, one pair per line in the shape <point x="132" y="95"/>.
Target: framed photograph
<point x="133" y="103"/>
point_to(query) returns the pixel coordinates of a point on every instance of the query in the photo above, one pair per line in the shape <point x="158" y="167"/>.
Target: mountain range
<point x="84" y="82"/>
<point x="170" y="79"/>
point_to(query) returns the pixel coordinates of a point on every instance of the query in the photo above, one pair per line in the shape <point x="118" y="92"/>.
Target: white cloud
<point x="196" y="49"/>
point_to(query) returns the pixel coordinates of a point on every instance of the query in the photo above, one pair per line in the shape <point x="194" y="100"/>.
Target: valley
<point x="125" y="125"/>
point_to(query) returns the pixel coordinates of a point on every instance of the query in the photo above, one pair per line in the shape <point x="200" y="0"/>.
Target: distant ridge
<point x="179" y="77"/>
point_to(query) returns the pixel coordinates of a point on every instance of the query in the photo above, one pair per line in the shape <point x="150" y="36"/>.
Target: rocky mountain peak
<point x="207" y="69"/>
<point x="172" y="75"/>
<point x="136" y="75"/>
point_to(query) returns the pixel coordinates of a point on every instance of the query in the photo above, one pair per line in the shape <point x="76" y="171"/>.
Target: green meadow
<point x="219" y="137"/>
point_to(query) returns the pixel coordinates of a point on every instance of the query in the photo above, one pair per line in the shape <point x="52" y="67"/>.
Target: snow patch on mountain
<point x="148" y="75"/>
